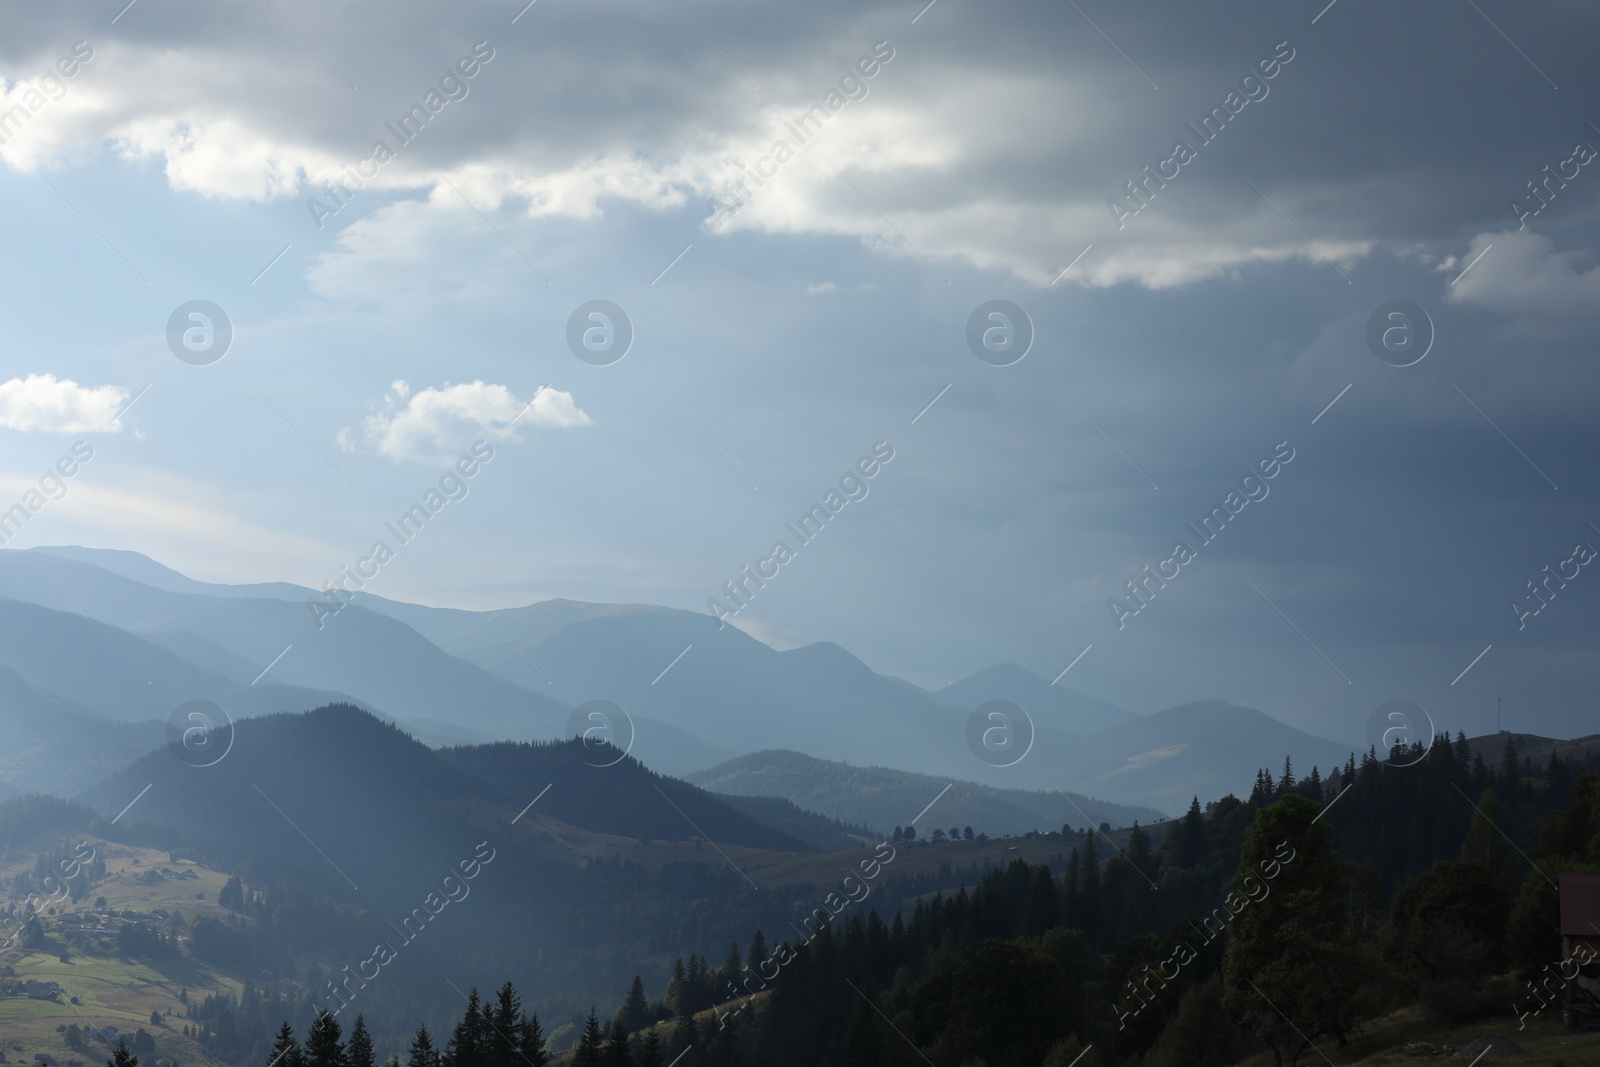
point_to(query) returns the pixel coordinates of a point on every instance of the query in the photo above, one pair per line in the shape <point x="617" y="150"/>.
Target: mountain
<point x="120" y="675"/>
<point x="1208" y="749"/>
<point x="606" y="791"/>
<point x="880" y="797"/>
<point x="53" y="745"/>
<point x="351" y="832"/>
<point x="367" y="656"/>
<point x="717" y="682"/>
<point x="375" y="657"/>
<point x="1049" y="705"/>
<point x="338" y="801"/>
<point x="697" y="693"/>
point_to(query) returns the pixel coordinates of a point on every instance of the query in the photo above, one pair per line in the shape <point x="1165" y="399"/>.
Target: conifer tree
<point x="729" y="975"/>
<point x="359" y="1050"/>
<point x="501" y="1032"/>
<point x="650" y="1050"/>
<point x="757" y="952"/>
<point x="1089" y="892"/>
<point x="635" y="1011"/>
<point x="468" y="1048"/>
<point x="422" y="1054"/>
<point x="286" y="1049"/>
<point x="591" y="1046"/>
<point x="685" y="1035"/>
<point x="616" y="1053"/>
<point x="531" y="1041"/>
<point x="323" y="1045"/>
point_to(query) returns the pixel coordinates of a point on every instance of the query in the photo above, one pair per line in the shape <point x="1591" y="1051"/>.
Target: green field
<point x="112" y="991"/>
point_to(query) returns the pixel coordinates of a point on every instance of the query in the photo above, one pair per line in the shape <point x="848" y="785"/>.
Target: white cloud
<point x="1523" y="274"/>
<point x="417" y="425"/>
<point x="982" y="153"/>
<point x="42" y="402"/>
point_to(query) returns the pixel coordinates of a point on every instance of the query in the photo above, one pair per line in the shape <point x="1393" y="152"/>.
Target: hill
<point x="883" y="798"/>
<point x="698" y="694"/>
<point x="1208" y="749"/>
<point x="1052" y="706"/>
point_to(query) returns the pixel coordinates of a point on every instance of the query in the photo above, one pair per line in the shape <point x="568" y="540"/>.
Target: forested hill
<point x="376" y="802"/>
<point x="604" y="790"/>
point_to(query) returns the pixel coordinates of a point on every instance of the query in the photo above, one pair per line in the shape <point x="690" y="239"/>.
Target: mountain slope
<point x="1050" y="705"/>
<point x="53" y="745"/>
<point x="120" y="675"/>
<point x="368" y="656"/>
<point x="622" y="798"/>
<point x="719" y="683"/>
<point x="1208" y="748"/>
<point x="880" y="797"/>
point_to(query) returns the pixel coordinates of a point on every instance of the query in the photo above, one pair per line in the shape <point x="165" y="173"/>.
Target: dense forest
<point x="1413" y="879"/>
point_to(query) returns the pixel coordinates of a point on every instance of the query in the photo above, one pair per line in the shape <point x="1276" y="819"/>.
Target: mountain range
<point x="116" y="639"/>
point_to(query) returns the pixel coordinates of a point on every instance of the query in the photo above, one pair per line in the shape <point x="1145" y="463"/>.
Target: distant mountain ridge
<point x="882" y="797"/>
<point x="697" y="694"/>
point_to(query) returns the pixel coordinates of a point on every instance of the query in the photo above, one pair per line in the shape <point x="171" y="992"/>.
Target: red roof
<point x="1580" y="905"/>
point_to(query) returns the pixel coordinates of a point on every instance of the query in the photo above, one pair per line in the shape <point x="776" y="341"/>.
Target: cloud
<point x="41" y="402"/>
<point x="1523" y="274"/>
<point x="998" y="151"/>
<point x="419" y="425"/>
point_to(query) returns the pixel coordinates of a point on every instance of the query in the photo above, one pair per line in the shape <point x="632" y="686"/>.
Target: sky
<point x="933" y="159"/>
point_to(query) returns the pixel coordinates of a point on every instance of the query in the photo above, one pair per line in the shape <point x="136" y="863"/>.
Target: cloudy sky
<point x="398" y="209"/>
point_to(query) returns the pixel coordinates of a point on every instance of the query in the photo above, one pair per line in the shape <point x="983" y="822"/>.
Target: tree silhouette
<point x="635" y="1011"/>
<point x="359" y="1051"/>
<point x="591" y="1046"/>
<point x="286" y="1050"/>
<point x="422" y="1054"/>
<point x="323" y="1045"/>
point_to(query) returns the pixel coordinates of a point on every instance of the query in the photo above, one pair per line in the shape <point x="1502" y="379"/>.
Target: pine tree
<point x="1138" y="851"/>
<point x="1191" y="835"/>
<point x="616" y="1054"/>
<point x="323" y="1046"/>
<point x="729" y="975"/>
<point x="757" y="952"/>
<point x="359" y="1050"/>
<point x="467" y="1045"/>
<point x="503" y="1020"/>
<point x="1070" y="904"/>
<point x="1089" y="892"/>
<point x="422" y="1054"/>
<point x="685" y="1035"/>
<point x="530" y="1040"/>
<point x="650" y="1050"/>
<point x="635" y="1011"/>
<point x="286" y="1050"/>
<point x="121" y="1057"/>
<point x="591" y="1046"/>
